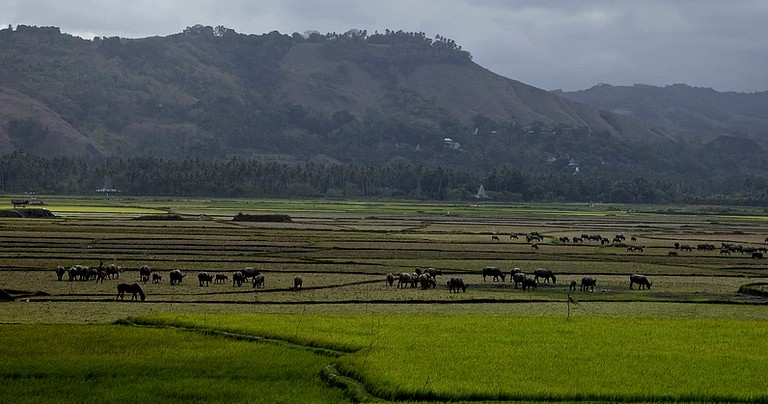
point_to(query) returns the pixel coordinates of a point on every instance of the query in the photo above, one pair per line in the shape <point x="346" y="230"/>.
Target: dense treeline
<point x="398" y="178"/>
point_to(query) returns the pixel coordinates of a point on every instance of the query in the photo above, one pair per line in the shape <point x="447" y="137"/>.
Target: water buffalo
<point x="572" y="285"/>
<point x="588" y="282"/>
<point x="564" y="239"/>
<point x="518" y="278"/>
<point x="405" y="279"/>
<point x="298" y="282"/>
<point x="238" y="278"/>
<point x="545" y="274"/>
<point x="176" y="276"/>
<point x="685" y="247"/>
<point x="112" y="271"/>
<point x="144" y="273"/>
<point x="221" y="278"/>
<point x="249" y="272"/>
<point x="258" y="281"/>
<point x="532" y="237"/>
<point x="390" y="279"/>
<point x="204" y="278"/>
<point x="529" y="283"/>
<point x="134" y="289"/>
<point x="427" y="281"/>
<point x="456" y="283"/>
<point x="494" y="238"/>
<point x="60" y="271"/>
<point x="433" y="272"/>
<point x="757" y="255"/>
<point x="640" y="280"/>
<point x="495" y="272"/>
<point x="157" y="278"/>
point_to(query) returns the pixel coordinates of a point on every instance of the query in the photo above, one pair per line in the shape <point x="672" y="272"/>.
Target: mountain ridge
<point x="211" y="93"/>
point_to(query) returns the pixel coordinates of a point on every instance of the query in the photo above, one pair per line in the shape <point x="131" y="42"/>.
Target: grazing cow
<point x="514" y="271"/>
<point x="532" y="237"/>
<point x="390" y="279"/>
<point x="534" y="246"/>
<point x="619" y="237"/>
<point x="518" y="278"/>
<point x="494" y="238"/>
<point x="634" y="237"/>
<point x="176" y="276"/>
<point x="238" y="278"/>
<point x="640" y="280"/>
<point x="588" y="282"/>
<point x="529" y="283"/>
<point x="725" y="251"/>
<point x="60" y="271"/>
<point x="456" y="283"/>
<point x="249" y="273"/>
<point x="495" y="272"/>
<point x="545" y="274"/>
<point x="144" y="273"/>
<point x="577" y="240"/>
<point x="617" y="240"/>
<point x="404" y="280"/>
<point x="564" y="239"/>
<point x="766" y="240"/>
<point x="220" y="278"/>
<point x="258" y="281"/>
<point x="757" y="255"/>
<point x="514" y="236"/>
<point x="78" y="272"/>
<point x="157" y="278"/>
<point x="427" y="281"/>
<point x="133" y="289"/>
<point x="433" y="272"/>
<point x="685" y="247"/>
<point x="298" y="282"/>
<point x="112" y="271"/>
<point x="672" y="253"/>
<point x="204" y="278"/>
<point x="572" y="285"/>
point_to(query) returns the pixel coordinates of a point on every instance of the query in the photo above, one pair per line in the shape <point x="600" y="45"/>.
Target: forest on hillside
<point x="398" y="179"/>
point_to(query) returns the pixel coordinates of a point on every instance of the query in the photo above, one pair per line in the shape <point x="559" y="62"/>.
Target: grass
<point x="492" y="342"/>
<point x="541" y="358"/>
<point x="108" y="363"/>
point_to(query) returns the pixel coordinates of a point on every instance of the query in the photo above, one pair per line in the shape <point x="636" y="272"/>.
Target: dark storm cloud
<point x="549" y="44"/>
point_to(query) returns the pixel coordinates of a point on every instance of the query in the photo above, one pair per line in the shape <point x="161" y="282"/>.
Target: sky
<point x="564" y="44"/>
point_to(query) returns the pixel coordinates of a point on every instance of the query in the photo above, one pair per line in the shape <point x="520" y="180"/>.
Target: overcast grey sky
<point x="566" y="44"/>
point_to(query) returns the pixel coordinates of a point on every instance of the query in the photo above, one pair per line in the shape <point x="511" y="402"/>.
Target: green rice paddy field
<point x="699" y="334"/>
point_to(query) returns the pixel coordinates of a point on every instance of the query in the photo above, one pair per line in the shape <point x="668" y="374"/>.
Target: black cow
<point x="204" y="278"/>
<point x="588" y="282"/>
<point x="454" y="284"/>
<point x="495" y="272"/>
<point x="640" y="280"/>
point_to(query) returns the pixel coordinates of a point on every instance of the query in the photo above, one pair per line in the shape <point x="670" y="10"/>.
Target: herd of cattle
<point x="427" y="279"/>
<point x="176" y="276"/>
<point x="619" y="240"/>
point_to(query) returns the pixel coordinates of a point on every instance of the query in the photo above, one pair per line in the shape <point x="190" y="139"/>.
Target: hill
<point x="698" y="114"/>
<point x="215" y="93"/>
